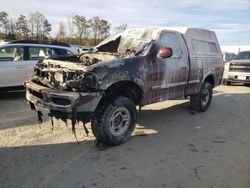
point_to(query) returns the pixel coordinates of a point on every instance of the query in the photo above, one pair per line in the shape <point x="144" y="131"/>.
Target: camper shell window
<point x="204" y="47"/>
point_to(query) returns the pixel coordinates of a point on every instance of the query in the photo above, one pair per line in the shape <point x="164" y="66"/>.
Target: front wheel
<point x="114" y="121"/>
<point x="202" y="100"/>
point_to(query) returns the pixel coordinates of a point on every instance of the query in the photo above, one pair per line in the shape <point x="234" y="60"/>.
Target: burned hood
<point x="86" y="62"/>
<point x="88" y="59"/>
<point x="65" y="75"/>
<point x="128" y="40"/>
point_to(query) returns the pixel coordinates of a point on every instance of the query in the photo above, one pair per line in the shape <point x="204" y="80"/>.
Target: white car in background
<point x="17" y="59"/>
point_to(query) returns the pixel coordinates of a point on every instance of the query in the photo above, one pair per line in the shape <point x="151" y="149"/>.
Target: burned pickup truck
<point x="132" y="68"/>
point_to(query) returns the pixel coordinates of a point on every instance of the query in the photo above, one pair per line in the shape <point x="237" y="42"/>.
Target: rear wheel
<point x="202" y="100"/>
<point x="114" y="120"/>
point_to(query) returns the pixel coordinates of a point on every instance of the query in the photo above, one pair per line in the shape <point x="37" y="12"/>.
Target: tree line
<point x="76" y="30"/>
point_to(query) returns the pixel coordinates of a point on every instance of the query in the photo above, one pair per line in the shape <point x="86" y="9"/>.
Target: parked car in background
<point x="78" y="49"/>
<point x="228" y="56"/>
<point x="238" y="70"/>
<point x="17" y="59"/>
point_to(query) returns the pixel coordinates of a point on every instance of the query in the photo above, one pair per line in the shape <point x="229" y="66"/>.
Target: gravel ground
<point x="177" y="148"/>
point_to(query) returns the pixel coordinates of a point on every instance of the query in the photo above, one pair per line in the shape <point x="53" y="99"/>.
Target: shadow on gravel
<point x="12" y="95"/>
<point x="14" y="110"/>
<point x="29" y="166"/>
<point x="43" y="162"/>
<point x="22" y="121"/>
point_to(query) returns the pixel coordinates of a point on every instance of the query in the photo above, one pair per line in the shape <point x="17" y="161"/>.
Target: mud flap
<point x="73" y="121"/>
<point x="85" y="129"/>
<point x="40" y="117"/>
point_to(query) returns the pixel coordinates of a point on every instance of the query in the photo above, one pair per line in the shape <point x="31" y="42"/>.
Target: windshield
<point x="242" y="56"/>
<point x="128" y="40"/>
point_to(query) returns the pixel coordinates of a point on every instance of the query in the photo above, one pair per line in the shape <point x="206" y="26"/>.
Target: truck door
<point x="175" y="68"/>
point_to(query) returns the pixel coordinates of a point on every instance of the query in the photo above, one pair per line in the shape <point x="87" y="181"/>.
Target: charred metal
<point x="143" y="66"/>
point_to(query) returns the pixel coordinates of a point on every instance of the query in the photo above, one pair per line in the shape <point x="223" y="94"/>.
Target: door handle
<point x="184" y="68"/>
<point x="20" y="66"/>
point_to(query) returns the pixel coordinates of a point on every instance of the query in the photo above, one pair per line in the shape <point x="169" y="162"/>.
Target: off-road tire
<point x="103" y="122"/>
<point x="201" y="101"/>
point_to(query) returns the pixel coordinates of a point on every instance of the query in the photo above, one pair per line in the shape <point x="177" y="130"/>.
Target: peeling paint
<point x="131" y="58"/>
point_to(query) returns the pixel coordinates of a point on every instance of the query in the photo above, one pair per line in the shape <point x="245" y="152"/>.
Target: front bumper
<point x="238" y="77"/>
<point x="41" y="97"/>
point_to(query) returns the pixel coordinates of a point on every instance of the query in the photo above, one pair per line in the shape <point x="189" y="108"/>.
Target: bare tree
<point x="47" y="27"/>
<point x="94" y="23"/>
<point x="81" y="26"/>
<point x="77" y="29"/>
<point x="70" y="26"/>
<point x="4" y="22"/>
<point x="22" y="27"/>
<point x="61" y="32"/>
<point x="12" y="27"/>
<point x="121" y="27"/>
<point x="39" y="25"/>
<point x="100" y="28"/>
<point x="104" y="29"/>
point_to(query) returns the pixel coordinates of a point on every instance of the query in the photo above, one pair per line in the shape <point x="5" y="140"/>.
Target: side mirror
<point x="165" y="52"/>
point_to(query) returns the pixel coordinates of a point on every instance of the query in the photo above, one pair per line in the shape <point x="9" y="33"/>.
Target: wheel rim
<point x="205" y="97"/>
<point x="119" y="121"/>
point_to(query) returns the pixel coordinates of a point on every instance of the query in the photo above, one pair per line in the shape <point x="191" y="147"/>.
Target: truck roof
<point x="198" y="41"/>
<point x="153" y="33"/>
<point x="189" y="34"/>
<point x="182" y="30"/>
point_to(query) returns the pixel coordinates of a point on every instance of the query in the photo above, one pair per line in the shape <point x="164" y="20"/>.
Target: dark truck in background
<point x="132" y="68"/>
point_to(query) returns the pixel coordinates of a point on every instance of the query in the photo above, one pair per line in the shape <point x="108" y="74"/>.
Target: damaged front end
<point x="72" y="87"/>
<point x="60" y="78"/>
<point x="65" y="89"/>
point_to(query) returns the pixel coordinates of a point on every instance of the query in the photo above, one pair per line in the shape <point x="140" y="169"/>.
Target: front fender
<point x="113" y="78"/>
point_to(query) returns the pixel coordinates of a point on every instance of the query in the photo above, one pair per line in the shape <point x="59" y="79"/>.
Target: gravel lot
<point x="178" y="149"/>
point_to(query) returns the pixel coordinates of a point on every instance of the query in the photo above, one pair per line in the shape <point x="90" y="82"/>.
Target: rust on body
<point x="128" y="63"/>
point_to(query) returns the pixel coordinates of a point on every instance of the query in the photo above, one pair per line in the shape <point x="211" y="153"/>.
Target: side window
<point x="11" y="54"/>
<point x="203" y="47"/>
<point x="37" y="53"/>
<point x="212" y="48"/>
<point x="171" y="40"/>
<point x="61" y="52"/>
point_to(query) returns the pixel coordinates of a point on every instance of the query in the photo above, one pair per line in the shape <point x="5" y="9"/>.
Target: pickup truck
<point x="238" y="69"/>
<point x="135" y="67"/>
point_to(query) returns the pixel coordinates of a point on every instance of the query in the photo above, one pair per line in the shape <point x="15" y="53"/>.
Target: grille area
<point x="239" y="67"/>
<point x="60" y="101"/>
<point x="35" y="93"/>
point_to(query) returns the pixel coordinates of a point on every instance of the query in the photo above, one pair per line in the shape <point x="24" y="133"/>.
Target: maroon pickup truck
<point x="131" y="68"/>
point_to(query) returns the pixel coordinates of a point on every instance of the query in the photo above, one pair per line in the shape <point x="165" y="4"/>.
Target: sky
<point x="230" y="19"/>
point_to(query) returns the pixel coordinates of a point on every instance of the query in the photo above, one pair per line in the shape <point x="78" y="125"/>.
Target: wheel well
<point x="210" y="79"/>
<point x="126" y="88"/>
